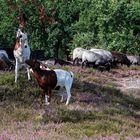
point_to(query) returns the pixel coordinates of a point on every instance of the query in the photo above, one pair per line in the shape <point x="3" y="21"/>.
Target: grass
<point x="97" y="109"/>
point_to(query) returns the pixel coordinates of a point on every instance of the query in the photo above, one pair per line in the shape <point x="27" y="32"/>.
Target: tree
<point x="58" y="26"/>
<point x="112" y="25"/>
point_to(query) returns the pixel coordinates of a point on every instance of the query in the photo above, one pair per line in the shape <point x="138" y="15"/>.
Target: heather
<point x="101" y="107"/>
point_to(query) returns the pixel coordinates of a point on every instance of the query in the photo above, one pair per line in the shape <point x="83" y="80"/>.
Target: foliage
<point x="64" y="25"/>
<point x="113" y="24"/>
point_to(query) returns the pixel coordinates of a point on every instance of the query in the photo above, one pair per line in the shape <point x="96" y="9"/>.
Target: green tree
<point x="58" y="26"/>
<point x="112" y="24"/>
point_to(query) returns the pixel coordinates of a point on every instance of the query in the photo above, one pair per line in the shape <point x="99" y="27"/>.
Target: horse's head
<point x="22" y="38"/>
<point x="21" y="50"/>
<point x="33" y="63"/>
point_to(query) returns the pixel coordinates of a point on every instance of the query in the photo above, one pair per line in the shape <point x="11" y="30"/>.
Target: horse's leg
<point x="68" y="94"/>
<point x="62" y="94"/>
<point x="84" y="63"/>
<point x="16" y="70"/>
<point x="48" y="96"/>
<point x="28" y="73"/>
<point x="46" y="99"/>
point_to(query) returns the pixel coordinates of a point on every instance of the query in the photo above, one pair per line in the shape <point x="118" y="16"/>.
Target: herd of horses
<point x="53" y="79"/>
<point x="102" y="59"/>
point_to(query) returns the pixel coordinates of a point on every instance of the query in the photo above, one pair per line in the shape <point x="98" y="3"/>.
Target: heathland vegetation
<point x="100" y="107"/>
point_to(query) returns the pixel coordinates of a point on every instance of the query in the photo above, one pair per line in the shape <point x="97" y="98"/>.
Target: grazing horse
<point x="120" y="58"/>
<point x="77" y="55"/>
<point x="97" y="60"/>
<point x="21" y="53"/>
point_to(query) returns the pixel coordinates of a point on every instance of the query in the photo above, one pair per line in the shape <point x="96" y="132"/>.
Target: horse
<point x="49" y="80"/>
<point x="77" y="55"/>
<point x="5" y="62"/>
<point x="95" y="59"/>
<point x="21" y="53"/>
<point x="120" y="58"/>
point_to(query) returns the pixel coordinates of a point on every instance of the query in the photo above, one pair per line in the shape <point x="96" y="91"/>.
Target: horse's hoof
<point x="30" y="80"/>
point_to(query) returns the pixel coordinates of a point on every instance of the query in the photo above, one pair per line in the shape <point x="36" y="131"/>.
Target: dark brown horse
<point x="120" y="58"/>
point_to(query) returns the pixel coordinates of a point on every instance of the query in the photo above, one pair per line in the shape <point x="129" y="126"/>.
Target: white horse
<point x="77" y="55"/>
<point x="21" y="53"/>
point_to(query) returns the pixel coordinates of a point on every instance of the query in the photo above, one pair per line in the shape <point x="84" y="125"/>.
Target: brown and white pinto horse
<point x="21" y="53"/>
<point x="49" y="79"/>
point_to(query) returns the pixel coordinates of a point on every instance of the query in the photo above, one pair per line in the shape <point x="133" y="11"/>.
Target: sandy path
<point x="130" y="85"/>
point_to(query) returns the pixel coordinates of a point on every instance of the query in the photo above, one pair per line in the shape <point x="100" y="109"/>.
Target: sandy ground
<point x="130" y="84"/>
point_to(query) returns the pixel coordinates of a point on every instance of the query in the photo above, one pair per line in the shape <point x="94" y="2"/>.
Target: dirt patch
<point x="124" y="78"/>
<point x="130" y="85"/>
<point x="127" y="80"/>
